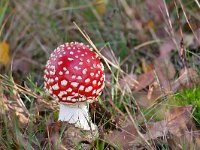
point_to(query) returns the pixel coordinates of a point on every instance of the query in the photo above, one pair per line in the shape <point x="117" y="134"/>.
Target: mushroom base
<point x="77" y="115"/>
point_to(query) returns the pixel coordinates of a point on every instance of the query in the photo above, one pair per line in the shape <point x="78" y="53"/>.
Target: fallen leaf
<point x="4" y="53"/>
<point x="180" y="125"/>
<point x="144" y="100"/>
<point x="177" y="119"/>
<point x="165" y="71"/>
<point x="156" y="130"/>
<point x="188" y="77"/>
<point x="128" y="81"/>
<point x="166" y="47"/>
<point x="21" y="65"/>
<point x="144" y="80"/>
<point x="123" y="137"/>
<point x="70" y="137"/>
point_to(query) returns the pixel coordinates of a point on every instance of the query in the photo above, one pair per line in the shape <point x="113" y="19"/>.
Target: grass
<point x="34" y="29"/>
<point x="188" y="97"/>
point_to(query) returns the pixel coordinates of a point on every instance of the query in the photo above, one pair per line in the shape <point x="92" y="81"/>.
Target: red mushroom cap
<point x="74" y="73"/>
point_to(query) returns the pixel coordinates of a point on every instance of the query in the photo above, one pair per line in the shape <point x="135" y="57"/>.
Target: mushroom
<point x="74" y="76"/>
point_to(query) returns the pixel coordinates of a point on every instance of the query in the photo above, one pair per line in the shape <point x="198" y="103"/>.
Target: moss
<point x="182" y="98"/>
<point x="188" y="97"/>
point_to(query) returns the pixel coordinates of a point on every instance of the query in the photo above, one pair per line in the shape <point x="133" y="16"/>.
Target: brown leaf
<point x="144" y="100"/>
<point x="21" y="65"/>
<point x="188" y="77"/>
<point x="144" y="80"/>
<point x="70" y="137"/>
<point x="128" y="81"/>
<point x="177" y="119"/>
<point x="156" y="130"/>
<point x="123" y="137"/>
<point x="166" y="48"/>
<point x="165" y="71"/>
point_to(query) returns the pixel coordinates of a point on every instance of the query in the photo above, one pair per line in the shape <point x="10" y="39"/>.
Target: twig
<point x="136" y="127"/>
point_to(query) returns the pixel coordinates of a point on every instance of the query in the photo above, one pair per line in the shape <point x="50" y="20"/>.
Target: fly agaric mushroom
<point x="74" y="76"/>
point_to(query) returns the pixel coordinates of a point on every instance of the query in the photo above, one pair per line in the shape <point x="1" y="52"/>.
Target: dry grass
<point x="128" y="35"/>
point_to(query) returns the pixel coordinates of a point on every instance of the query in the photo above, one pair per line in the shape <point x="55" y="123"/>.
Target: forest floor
<point x="151" y="54"/>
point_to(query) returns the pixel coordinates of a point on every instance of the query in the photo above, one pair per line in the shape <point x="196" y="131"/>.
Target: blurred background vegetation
<point x="144" y="38"/>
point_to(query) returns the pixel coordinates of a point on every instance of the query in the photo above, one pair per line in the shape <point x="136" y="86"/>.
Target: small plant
<point x="188" y="97"/>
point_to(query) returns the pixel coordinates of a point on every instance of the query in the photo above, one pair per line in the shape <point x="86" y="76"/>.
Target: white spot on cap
<point x="52" y="80"/>
<point x="97" y="75"/>
<point x="88" y="60"/>
<point x="64" y="82"/>
<point x="49" y="81"/>
<point x="98" y="65"/>
<point x="81" y="63"/>
<point x="83" y="98"/>
<point x="94" y="92"/>
<point x="53" y="67"/>
<point x="73" y="100"/>
<point x="78" y="51"/>
<point x="76" y="94"/>
<point x="69" y="48"/>
<point x="99" y="83"/>
<point x="60" y="73"/>
<point x="71" y="52"/>
<point x="79" y="78"/>
<point x="84" y="71"/>
<point x="92" y="74"/>
<point x="81" y="88"/>
<point x="70" y="59"/>
<point x="74" y="84"/>
<point x="64" y="98"/>
<point x="69" y="98"/>
<point x="62" y="93"/>
<point x="76" y="56"/>
<point x="76" y="67"/>
<point x="46" y="72"/>
<point x="88" y="89"/>
<point x="98" y="91"/>
<point x="87" y="80"/>
<point x="94" y="82"/>
<point x="52" y="72"/>
<point x="82" y="54"/>
<point x="73" y="77"/>
<point x="69" y="90"/>
<point x="64" y="68"/>
<point x="60" y="62"/>
<point x="56" y="78"/>
<point x="67" y="72"/>
<point x="55" y="86"/>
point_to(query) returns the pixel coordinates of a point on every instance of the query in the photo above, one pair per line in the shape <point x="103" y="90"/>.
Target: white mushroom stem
<point x="78" y="115"/>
